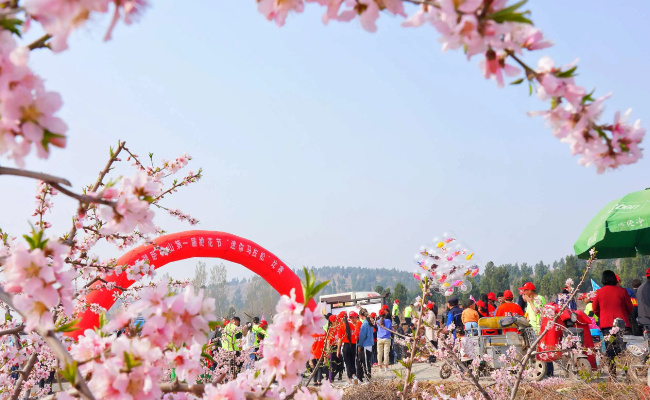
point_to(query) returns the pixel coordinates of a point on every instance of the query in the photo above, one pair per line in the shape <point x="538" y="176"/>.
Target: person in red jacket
<point x="509" y="309"/>
<point x="492" y="298"/>
<point x="347" y="349"/>
<point x="317" y="353"/>
<point x="612" y="302"/>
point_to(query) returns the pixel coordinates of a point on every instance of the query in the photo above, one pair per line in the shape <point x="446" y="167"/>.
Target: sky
<point x="329" y="145"/>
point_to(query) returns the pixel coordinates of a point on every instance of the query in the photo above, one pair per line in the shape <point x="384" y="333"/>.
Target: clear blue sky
<point x="329" y="145"/>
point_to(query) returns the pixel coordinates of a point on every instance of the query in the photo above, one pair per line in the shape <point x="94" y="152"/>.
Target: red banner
<point x="184" y="245"/>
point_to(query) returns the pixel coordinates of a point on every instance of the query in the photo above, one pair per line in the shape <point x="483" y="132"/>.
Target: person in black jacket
<point x="643" y="299"/>
<point x="521" y="302"/>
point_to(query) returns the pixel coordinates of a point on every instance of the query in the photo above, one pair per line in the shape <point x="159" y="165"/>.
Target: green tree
<point x="486" y="282"/>
<point x="400" y="293"/>
<point x="572" y="268"/>
<point x="541" y="270"/>
<point x="526" y="273"/>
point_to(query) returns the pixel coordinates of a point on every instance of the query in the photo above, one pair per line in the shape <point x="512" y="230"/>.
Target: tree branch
<point x="407" y="376"/>
<point x="34" y="175"/>
<point x="82" y="198"/>
<point x="12" y="331"/>
<point x="473" y="379"/>
<point x="23" y="375"/>
<point x="60" y="352"/>
<point x="176" y="386"/>
<point x="99" y="182"/>
<point x="56" y="183"/>
<point x="135" y="158"/>
<point x="40" y="43"/>
<point x="530" y="73"/>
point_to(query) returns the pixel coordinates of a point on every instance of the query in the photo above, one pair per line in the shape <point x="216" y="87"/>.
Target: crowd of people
<point x="353" y="342"/>
<point x="244" y="343"/>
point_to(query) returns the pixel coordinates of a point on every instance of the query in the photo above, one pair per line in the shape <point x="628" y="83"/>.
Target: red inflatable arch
<point x="191" y="244"/>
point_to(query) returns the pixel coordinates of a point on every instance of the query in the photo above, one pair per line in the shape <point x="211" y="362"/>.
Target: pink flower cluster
<point x="131" y="370"/>
<point x="574" y="119"/>
<point x="138" y="270"/>
<point x="89" y="346"/>
<point x="173" y="166"/>
<point x="41" y="282"/>
<point x="178" y="319"/>
<point x="133" y="198"/>
<point x="183" y="217"/>
<point x="60" y="17"/>
<point x="187" y="362"/>
<point x="499" y="32"/>
<point x="44" y="192"/>
<point x="288" y="342"/>
<point x="26" y="108"/>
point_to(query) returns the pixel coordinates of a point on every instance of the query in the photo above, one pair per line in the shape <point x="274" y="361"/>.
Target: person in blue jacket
<point x="453" y="315"/>
<point x="364" y="347"/>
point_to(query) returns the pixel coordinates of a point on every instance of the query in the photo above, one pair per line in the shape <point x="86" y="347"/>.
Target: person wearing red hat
<point x="347" y="345"/>
<point x="383" y="339"/>
<point x="317" y="348"/>
<point x="481" y="309"/>
<point x="489" y="309"/>
<point x="331" y="343"/>
<point x="492" y="306"/>
<point x="354" y="320"/>
<point x="535" y="304"/>
<point x="509" y="308"/>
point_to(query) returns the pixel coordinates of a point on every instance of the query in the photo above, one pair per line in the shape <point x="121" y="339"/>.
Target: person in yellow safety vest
<point x="231" y="335"/>
<point x="408" y="311"/>
<point x="589" y="310"/>
<point x="395" y="312"/>
<point x="257" y="329"/>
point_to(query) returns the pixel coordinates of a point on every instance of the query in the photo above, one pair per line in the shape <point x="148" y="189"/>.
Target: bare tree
<point x="200" y="276"/>
<point x="217" y="289"/>
<point x="261" y="298"/>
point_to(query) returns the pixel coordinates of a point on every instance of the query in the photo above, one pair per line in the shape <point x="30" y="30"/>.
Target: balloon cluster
<point x="448" y="263"/>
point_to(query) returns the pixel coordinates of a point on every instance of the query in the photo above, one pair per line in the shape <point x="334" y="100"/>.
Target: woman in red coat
<point x="612" y="302"/>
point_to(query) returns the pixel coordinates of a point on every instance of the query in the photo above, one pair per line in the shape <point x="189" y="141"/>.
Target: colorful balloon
<point x="449" y="263"/>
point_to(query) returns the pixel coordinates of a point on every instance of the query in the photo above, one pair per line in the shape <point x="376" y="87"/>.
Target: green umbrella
<point x="619" y="230"/>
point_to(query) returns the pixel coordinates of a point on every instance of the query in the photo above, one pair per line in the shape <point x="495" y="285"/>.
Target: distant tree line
<point x="549" y="279"/>
<point x="255" y="297"/>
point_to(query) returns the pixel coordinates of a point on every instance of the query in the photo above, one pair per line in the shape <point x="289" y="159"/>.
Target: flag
<point x="472" y="298"/>
<point x="594" y="286"/>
